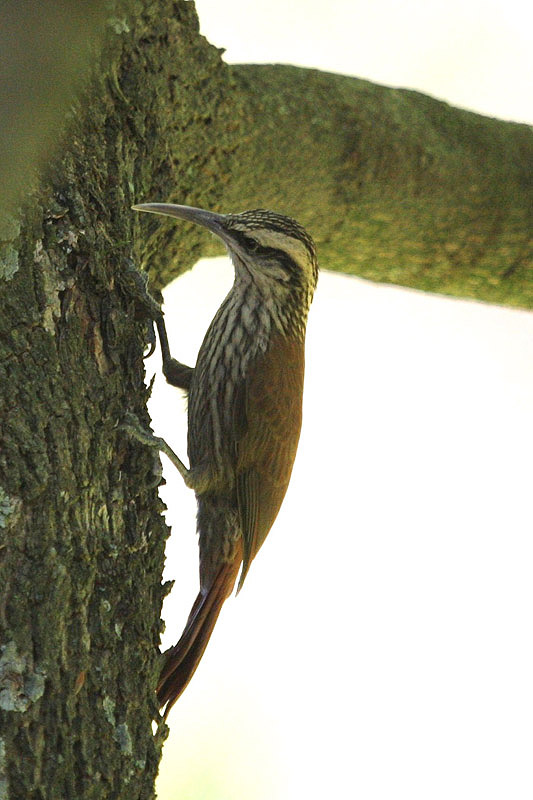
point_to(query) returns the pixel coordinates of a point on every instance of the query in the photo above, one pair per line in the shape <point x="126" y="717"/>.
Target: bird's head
<point x="270" y="249"/>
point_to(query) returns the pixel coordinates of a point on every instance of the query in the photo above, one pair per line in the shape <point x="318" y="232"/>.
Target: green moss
<point x="395" y="186"/>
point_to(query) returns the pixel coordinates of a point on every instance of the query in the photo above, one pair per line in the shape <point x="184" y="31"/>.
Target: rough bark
<point x="81" y="533"/>
<point x="394" y="185"/>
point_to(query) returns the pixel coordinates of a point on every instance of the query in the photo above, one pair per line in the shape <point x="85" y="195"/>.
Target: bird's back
<point x="245" y="411"/>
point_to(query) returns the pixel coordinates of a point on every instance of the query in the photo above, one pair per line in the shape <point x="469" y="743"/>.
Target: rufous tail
<point x="183" y="659"/>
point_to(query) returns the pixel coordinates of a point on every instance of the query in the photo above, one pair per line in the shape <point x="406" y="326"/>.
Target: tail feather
<point x="183" y="659"/>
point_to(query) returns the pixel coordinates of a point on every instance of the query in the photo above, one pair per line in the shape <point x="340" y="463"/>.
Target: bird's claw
<point x="146" y="306"/>
<point x="152" y="339"/>
<point x="132" y="426"/>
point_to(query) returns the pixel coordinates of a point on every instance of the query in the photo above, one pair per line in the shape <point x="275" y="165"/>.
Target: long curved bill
<point x="208" y="219"/>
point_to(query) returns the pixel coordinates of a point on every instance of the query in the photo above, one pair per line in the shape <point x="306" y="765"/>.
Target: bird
<point x="244" y="409"/>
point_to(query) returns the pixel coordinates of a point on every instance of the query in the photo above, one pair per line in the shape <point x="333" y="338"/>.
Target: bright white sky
<point x="381" y="647"/>
<point x="473" y="53"/>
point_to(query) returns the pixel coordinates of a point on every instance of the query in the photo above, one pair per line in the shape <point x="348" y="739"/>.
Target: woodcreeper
<point x="244" y="409"/>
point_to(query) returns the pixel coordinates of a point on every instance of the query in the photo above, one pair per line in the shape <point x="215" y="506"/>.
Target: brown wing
<point x="266" y="446"/>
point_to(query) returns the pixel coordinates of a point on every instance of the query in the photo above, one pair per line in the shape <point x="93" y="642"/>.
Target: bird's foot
<point x="131" y="425"/>
<point x="149" y="309"/>
<point x="146" y="307"/>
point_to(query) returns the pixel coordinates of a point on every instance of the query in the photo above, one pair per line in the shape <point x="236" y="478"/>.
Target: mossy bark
<point x="82" y="535"/>
<point x="395" y="186"/>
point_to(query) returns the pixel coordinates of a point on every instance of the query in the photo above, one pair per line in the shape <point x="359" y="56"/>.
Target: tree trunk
<point x="394" y="186"/>
<point x="81" y="533"/>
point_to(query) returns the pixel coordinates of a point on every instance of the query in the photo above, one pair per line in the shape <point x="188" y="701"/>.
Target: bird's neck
<point x="268" y="307"/>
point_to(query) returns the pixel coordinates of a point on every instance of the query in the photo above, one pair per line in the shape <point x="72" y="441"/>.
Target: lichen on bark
<point x="82" y="536"/>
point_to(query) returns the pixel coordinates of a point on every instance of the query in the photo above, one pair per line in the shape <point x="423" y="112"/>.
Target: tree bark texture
<point x="81" y="529"/>
<point x="394" y="185"/>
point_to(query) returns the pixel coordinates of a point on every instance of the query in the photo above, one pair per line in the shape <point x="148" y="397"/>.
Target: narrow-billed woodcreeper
<point x="244" y="409"/>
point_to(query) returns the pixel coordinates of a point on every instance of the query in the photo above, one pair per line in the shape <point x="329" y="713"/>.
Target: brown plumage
<point x="245" y="410"/>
